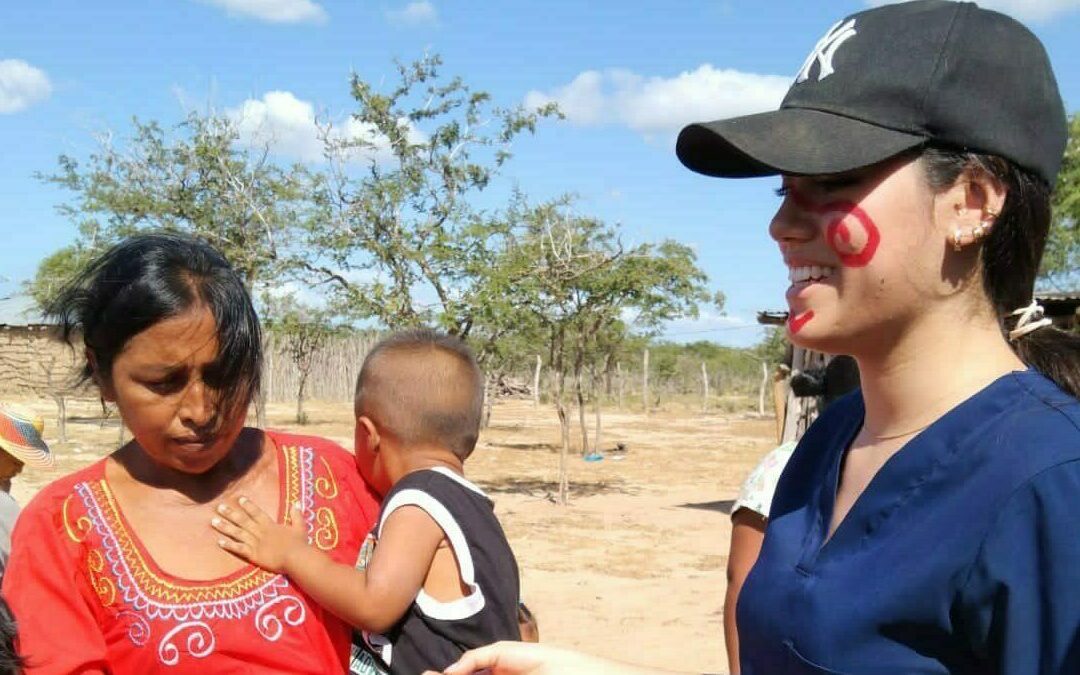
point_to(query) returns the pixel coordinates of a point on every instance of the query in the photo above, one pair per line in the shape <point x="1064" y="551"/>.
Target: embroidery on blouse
<point x="326" y="486"/>
<point x="122" y="570"/>
<point x="200" y="642"/>
<point x="138" y="628"/>
<point x="103" y="586"/>
<point x="325" y="536"/>
<point x="269" y="624"/>
<point x="78" y="530"/>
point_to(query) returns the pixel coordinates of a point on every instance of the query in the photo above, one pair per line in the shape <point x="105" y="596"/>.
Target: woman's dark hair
<point x="147" y="278"/>
<point x="1011" y="254"/>
<point x="10" y="661"/>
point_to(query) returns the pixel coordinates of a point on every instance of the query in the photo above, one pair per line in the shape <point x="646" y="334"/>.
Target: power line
<point x="709" y="330"/>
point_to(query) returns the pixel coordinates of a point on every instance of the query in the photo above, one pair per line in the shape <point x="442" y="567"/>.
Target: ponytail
<point x="1011" y="254"/>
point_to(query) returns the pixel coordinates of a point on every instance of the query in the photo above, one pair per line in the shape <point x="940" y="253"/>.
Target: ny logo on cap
<point x="824" y="51"/>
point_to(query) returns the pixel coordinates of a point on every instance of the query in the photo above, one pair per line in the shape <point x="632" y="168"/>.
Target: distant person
<point x="837" y="378"/>
<point x="929" y="523"/>
<point x="21" y="444"/>
<point x="113" y="568"/>
<point x="440" y="577"/>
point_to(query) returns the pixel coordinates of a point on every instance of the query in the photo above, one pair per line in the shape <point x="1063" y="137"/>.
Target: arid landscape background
<point x="632" y="568"/>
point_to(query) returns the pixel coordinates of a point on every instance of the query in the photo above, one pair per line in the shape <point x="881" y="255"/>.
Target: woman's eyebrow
<point x="161" y="369"/>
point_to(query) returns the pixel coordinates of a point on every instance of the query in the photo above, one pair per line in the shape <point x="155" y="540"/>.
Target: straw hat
<point x="20" y="436"/>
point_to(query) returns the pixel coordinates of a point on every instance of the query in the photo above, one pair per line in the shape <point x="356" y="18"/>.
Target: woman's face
<point x="863" y="251"/>
<point x="159" y="383"/>
<point x="9" y="466"/>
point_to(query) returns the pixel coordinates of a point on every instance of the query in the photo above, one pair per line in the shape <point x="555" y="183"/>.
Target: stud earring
<point x="957" y="239"/>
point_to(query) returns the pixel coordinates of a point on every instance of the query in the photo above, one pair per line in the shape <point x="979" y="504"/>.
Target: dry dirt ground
<point x="632" y="568"/>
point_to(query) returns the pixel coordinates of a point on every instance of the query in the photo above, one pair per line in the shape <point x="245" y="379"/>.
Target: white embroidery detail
<point x="139" y="630"/>
<point x="825" y="50"/>
<point x="234" y="608"/>
<point x="269" y="625"/>
<point x="199" y="643"/>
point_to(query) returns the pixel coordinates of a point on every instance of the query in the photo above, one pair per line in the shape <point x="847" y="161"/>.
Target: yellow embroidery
<point x="326" y="486"/>
<point x="103" y="586"/>
<point x="80" y="529"/>
<point x="326" y="536"/>
<point x="164" y="591"/>
<point x="292" y="481"/>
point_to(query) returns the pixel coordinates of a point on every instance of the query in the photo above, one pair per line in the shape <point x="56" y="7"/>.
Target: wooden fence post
<point x="619" y="374"/>
<point x="645" y="381"/>
<point x="761" y="392"/>
<point x="705" y="388"/>
<point x="536" y="383"/>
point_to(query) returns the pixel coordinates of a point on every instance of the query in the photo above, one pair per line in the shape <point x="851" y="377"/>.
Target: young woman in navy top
<point x="929" y="523"/>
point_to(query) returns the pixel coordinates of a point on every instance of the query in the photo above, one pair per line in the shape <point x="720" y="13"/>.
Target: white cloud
<point x="288" y="125"/>
<point x="1025" y="10"/>
<point x="274" y="11"/>
<point x="414" y="13"/>
<point x="21" y="86"/>
<point x="656" y="104"/>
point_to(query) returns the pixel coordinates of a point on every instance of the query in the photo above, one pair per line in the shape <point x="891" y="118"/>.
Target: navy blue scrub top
<point x="962" y="555"/>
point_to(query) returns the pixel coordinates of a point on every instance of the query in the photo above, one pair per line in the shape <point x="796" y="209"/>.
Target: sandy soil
<point x="632" y="568"/>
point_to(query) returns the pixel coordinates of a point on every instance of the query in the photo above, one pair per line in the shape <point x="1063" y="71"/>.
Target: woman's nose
<point x="792" y="224"/>
<point x="197" y="406"/>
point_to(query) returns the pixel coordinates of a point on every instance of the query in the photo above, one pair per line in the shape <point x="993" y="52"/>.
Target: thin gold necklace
<point x="906" y="433"/>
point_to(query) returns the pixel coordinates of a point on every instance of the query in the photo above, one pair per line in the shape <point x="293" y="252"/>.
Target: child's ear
<point x="367" y="434"/>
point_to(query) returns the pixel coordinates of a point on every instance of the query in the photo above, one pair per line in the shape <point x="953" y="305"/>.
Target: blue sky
<point x="628" y="75"/>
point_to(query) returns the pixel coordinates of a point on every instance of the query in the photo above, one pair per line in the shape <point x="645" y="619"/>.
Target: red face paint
<point x="840" y="236"/>
<point x="851" y="233"/>
<point x="796" y="323"/>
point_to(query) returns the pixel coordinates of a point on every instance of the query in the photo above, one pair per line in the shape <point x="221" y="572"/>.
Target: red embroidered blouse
<point x="89" y="599"/>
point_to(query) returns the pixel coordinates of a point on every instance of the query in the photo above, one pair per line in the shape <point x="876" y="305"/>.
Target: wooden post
<point x="61" y="417"/>
<point x="580" y="395"/>
<point x="645" y="381"/>
<point x="619" y="374"/>
<point x="536" y="382"/>
<point x="485" y="418"/>
<point x="266" y="389"/>
<point x="704" y="388"/>
<point x="793" y="411"/>
<point x="596" y="435"/>
<point x="761" y="391"/>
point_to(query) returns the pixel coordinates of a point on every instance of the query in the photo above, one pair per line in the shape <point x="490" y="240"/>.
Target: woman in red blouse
<point x="114" y="568"/>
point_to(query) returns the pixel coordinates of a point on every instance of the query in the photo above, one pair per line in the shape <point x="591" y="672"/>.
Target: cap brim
<point x="796" y="141"/>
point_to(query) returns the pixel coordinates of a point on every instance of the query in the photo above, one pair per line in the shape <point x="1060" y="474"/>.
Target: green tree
<point x="402" y="241"/>
<point x="1061" y="263"/>
<point x="584" y="288"/>
<point x="773" y="346"/>
<point x="303" y="331"/>
<point x="196" y="180"/>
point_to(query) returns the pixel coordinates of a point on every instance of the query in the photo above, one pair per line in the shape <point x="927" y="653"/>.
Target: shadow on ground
<point x="523" y="446"/>
<point x="722" y="506"/>
<point x="548" y="489"/>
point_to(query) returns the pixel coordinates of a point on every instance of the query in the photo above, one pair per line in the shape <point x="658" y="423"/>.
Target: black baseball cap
<point x="891" y="79"/>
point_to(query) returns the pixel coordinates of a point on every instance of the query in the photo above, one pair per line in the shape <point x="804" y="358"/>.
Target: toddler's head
<point x="419" y="397"/>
